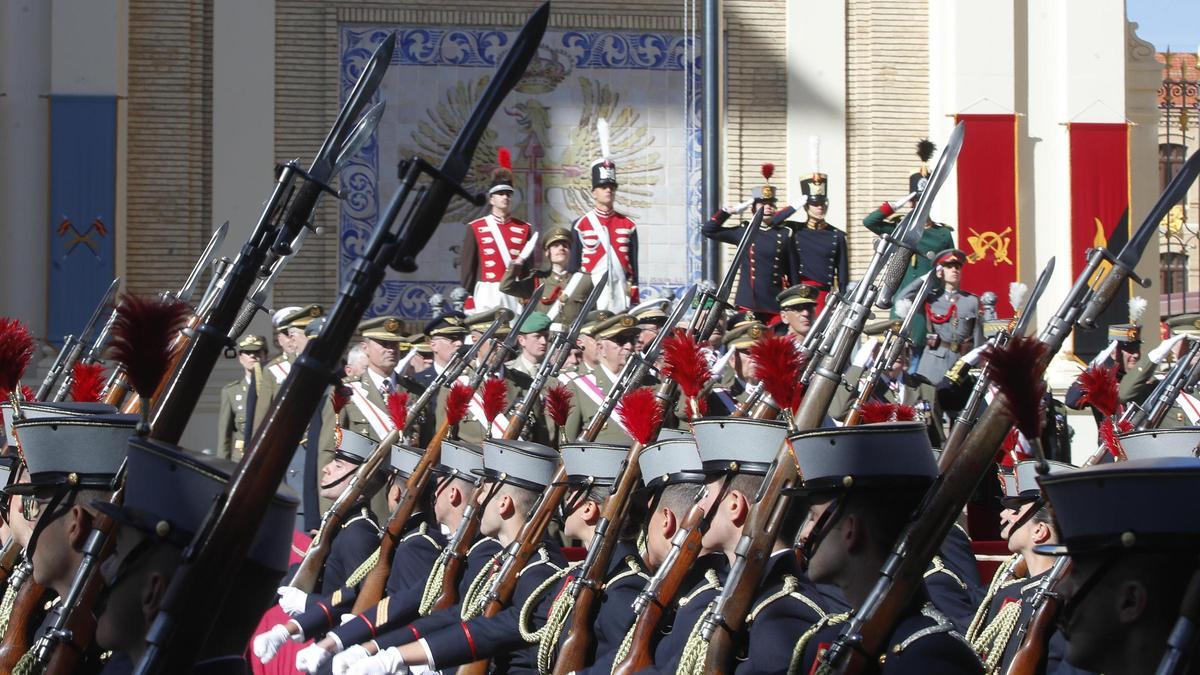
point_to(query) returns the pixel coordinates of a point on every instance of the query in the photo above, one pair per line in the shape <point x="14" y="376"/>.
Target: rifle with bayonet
<point x="502" y="352"/>
<point x="893" y="344"/>
<point x="454" y="368"/>
<point x="555" y="358"/>
<point x="72" y="348"/>
<point x="713" y="303"/>
<point x="290" y="208"/>
<point x="865" y="636"/>
<point x="725" y="624"/>
<point x="214" y="556"/>
<point x="116" y="389"/>
<point x="970" y="410"/>
<point x="331" y="523"/>
<point x="635" y="370"/>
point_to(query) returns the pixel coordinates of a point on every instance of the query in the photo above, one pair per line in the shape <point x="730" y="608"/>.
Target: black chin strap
<point x="60" y="498"/>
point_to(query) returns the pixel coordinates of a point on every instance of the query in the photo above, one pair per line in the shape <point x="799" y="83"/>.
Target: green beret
<point x="536" y="322"/>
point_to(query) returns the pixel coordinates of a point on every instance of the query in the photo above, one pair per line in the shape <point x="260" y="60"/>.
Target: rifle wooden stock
<point x="457" y="560"/>
<point x="118" y="388"/>
<point x="79" y="618"/>
<point x="371" y="590"/>
<point x="9" y="556"/>
<point x="318" y="551"/>
<point x="1031" y="655"/>
<point x="645" y="626"/>
<point x="572" y="653"/>
<point x="25" y="618"/>
<point x="902" y="575"/>
<point x="530" y="538"/>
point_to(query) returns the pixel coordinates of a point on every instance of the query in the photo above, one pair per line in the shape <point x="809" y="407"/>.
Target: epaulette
<point x="364" y="514"/>
<point x="542" y="559"/>
<point x="711" y="581"/>
<point x="632" y="568"/>
<point x="941" y="625"/>
<point x="937" y="566"/>
<point x="421" y="530"/>
<point x="478" y="543"/>
<point x="790" y="589"/>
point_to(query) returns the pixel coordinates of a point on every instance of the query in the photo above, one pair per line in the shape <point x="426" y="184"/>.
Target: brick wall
<point x="887" y="107"/>
<point x="170" y="127"/>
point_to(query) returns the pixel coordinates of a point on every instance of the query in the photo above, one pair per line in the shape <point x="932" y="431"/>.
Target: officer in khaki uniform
<point x="615" y="338"/>
<point x="733" y="383"/>
<point x="1140" y="381"/>
<point x="589" y="344"/>
<point x="292" y="322"/>
<point x="245" y="401"/>
<point x="385" y="345"/>
<point x="565" y="291"/>
<point x="281" y="336"/>
<point x="533" y="338"/>
<point x="798" y="309"/>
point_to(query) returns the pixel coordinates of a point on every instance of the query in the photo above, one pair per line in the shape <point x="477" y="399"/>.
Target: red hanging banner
<point x="988" y="220"/>
<point x="1099" y="188"/>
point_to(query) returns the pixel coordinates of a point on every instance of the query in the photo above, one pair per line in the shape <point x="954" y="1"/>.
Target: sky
<point x="1167" y="23"/>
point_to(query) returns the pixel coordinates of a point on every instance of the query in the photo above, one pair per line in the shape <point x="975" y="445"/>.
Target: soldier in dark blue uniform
<point x="1003" y="616"/>
<point x="863" y="483"/>
<point x="519" y="471"/>
<point x="421" y="540"/>
<point x="360" y="533"/>
<point x="768" y="266"/>
<point x="591" y="470"/>
<point x="821" y="255"/>
<point x="168" y="492"/>
<point x="1131" y="561"/>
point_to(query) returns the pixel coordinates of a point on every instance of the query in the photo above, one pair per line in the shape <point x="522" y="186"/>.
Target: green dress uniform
<point x="587" y="391"/>
<point x="565" y="291"/>
<point x="935" y="238"/>
<point x="1137" y="385"/>
<point x="231" y="417"/>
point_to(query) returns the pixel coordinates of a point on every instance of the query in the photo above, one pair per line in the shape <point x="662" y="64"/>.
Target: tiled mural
<point x="640" y="82"/>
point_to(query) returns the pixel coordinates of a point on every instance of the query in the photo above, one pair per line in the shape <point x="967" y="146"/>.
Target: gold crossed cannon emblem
<point x="996" y="243"/>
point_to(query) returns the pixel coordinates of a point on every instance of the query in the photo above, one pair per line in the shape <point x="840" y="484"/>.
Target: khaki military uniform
<point x="1137" y="385"/>
<point x="565" y="291"/>
<point x="587" y="393"/>
<point x="231" y="417"/>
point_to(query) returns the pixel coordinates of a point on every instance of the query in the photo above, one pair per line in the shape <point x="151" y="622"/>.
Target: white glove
<point x="343" y="661"/>
<point x="740" y="207"/>
<point x="266" y="645"/>
<point x="347" y="618"/>
<point x="896" y="205"/>
<point x="971" y="358"/>
<point x="385" y="662"/>
<point x="292" y="600"/>
<point x="1160" y="352"/>
<point x="529" y="248"/>
<point x="311" y="658"/>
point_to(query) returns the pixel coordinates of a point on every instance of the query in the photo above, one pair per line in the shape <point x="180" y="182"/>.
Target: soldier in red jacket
<point x="605" y="240"/>
<point x="493" y="242"/>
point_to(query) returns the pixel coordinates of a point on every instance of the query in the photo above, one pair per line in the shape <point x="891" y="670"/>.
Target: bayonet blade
<point x="107" y="302"/>
<point x="360" y="95"/>
<point x="915" y="222"/>
<point x="359" y="136"/>
<point x="206" y="258"/>
<point x="1176" y="190"/>
<point x="426" y="216"/>
<point x="1026" y="315"/>
<point x="588" y="304"/>
<point x="652" y="349"/>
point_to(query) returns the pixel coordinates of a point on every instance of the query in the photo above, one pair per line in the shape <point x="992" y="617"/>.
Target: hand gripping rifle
<point x="331" y="523"/>
<point x="289" y="208"/>
<point x="201" y="582"/>
<point x="636" y="368"/>
<point x="117" y="387"/>
<point x="553" y="362"/>
<point x="72" y="348"/>
<point x="970" y="411"/>
<point x="894" y="343"/>
<point x="762" y="524"/>
<point x="865" y="636"/>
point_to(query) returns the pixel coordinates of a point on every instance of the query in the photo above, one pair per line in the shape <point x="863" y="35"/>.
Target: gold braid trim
<point x="798" y="653"/>
<point x="10" y="598"/>
<point x="691" y="662"/>
<point x="546" y="637"/>
<point x="363" y="570"/>
<point x="472" y="603"/>
<point x="993" y="640"/>
<point x="433" y="586"/>
<point x="999" y="580"/>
